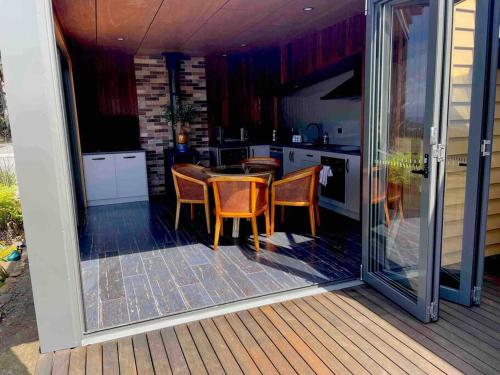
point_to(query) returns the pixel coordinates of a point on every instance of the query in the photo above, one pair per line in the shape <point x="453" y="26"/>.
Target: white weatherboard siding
<point x="34" y="98"/>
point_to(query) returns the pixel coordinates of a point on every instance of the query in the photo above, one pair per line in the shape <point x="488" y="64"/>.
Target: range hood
<point x="349" y="89"/>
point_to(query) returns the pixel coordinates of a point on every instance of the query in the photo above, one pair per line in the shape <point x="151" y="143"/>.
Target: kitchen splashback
<point x="305" y="106"/>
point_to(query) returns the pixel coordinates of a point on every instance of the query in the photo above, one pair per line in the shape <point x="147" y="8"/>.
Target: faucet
<point x="318" y="128"/>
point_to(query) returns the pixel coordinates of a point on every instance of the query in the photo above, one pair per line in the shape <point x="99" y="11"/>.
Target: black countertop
<point x="341" y="149"/>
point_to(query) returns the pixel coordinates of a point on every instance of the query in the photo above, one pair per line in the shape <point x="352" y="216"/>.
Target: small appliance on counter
<point x="296" y="136"/>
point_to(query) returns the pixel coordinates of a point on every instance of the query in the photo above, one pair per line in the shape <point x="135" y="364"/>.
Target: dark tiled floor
<point x="135" y="266"/>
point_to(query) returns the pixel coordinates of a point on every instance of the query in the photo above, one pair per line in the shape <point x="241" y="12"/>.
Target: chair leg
<point x="255" y="233"/>
<point x="177" y="214"/>
<point x="221" y="226"/>
<point x="217" y="231"/>
<point x="311" y="217"/>
<point x="192" y="212"/>
<point x="316" y="210"/>
<point x="273" y="211"/>
<point x="207" y="215"/>
<point x="268" y="226"/>
<point x="282" y="214"/>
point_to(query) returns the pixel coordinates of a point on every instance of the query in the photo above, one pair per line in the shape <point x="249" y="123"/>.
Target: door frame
<point x="426" y="306"/>
<point x="477" y="165"/>
<point x="489" y="115"/>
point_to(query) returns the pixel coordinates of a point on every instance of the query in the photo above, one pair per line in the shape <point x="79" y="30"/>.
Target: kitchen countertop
<point x="113" y="152"/>
<point x="341" y="149"/>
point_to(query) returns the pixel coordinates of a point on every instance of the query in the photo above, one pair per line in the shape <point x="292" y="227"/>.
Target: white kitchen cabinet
<point x="100" y="177"/>
<point x="259" y="151"/>
<point x="307" y="158"/>
<point x="115" y="178"/>
<point x="289" y="164"/>
<point x="352" y="182"/>
<point x="131" y="176"/>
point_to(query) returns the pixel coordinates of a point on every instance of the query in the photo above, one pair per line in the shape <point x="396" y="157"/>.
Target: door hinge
<point x="485" y="149"/>
<point x="366" y="7"/>
<point x="476" y="295"/>
<point x="432" y="310"/>
<point x="439" y="152"/>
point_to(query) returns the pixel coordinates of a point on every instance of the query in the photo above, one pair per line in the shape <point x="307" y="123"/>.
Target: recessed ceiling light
<point x="120" y="39"/>
<point x="307" y="9"/>
<point x="243" y="44"/>
<point x="224" y="55"/>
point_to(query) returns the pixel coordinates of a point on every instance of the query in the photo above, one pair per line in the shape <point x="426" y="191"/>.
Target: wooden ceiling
<point x="155" y="26"/>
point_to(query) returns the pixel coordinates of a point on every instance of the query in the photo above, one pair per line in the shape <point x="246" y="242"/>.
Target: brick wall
<point x="194" y="91"/>
<point x="155" y="134"/>
<point x="153" y="95"/>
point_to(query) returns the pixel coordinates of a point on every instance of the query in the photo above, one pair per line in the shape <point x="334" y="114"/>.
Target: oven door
<point x="334" y="190"/>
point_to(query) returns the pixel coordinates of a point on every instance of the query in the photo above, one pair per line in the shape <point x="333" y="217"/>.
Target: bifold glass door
<point x="403" y="108"/>
<point x="468" y="148"/>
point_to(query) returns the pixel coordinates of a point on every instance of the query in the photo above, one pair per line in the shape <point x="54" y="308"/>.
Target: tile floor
<point x="136" y="267"/>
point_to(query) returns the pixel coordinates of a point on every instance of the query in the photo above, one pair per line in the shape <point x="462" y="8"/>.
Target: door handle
<point x="347" y="165"/>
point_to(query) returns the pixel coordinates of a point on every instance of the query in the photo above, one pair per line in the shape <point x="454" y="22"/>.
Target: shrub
<point x="11" y="218"/>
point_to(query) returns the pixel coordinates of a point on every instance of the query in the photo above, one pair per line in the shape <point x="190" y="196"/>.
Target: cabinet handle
<point x="253" y="153"/>
<point x="129" y="157"/>
<point x="347" y="165"/>
<point x="310" y="155"/>
<point x="290" y="155"/>
<point x="98" y="158"/>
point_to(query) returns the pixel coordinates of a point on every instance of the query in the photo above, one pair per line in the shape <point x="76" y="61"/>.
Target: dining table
<point x="264" y="171"/>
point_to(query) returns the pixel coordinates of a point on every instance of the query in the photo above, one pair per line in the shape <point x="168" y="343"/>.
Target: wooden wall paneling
<point x="217" y="91"/>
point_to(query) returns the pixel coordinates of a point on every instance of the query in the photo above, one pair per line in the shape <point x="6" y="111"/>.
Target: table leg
<point x="236" y="227"/>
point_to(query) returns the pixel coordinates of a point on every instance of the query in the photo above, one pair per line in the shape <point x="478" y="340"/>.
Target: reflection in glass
<point x="398" y="150"/>
<point x="458" y="139"/>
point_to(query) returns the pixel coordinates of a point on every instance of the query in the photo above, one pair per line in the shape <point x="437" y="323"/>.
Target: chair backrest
<point x="190" y="181"/>
<point x="239" y="196"/>
<point x="299" y="186"/>
<point x="262" y="160"/>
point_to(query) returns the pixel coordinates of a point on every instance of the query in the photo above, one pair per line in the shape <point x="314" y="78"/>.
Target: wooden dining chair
<point x="191" y="187"/>
<point x="262" y="160"/>
<point x="391" y="193"/>
<point x="240" y="197"/>
<point x="297" y="189"/>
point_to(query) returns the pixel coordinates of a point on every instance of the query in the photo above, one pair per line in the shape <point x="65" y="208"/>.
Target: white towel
<point x="326" y="172"/>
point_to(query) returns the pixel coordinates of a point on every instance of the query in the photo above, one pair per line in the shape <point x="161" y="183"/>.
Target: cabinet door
<point x="100" y="181"/>
<point x="131" y="177"/>
<point x="259" y="151"/>
<point x="288" y="164"/>
<point x="352" y="183"/>
<point x="307" y="158"/>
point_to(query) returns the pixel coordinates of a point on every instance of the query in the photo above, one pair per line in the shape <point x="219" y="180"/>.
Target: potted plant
<point x="180" y="117"/>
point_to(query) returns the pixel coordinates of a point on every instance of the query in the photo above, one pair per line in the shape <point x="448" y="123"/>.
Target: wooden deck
<point x="354" y="331"/>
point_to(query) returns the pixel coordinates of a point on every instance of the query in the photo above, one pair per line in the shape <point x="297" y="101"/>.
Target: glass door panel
<point x="399" y="252"/>
<point x="463" y="160"/>
<point x="462" y="53"/>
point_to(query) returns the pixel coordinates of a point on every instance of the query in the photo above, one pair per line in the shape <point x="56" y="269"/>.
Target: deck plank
<point x="173" y="348"/>
<point x="276" y="357"/>
<point x="60" y="364"/>
<point x="77" y="361"/>
<point x="220" y="347"/>
<point x="237" y="349"/>
<point x="94" y="360"/>
<point x="110" y="365"/>
<point x="126" y="355"/>
<point x="449" y="345"/>
<point x="355" y="331"/>
<point x="205" y="349"/>
<point x="193" y="359"/>
<point x="158" y="353"/>
<point x="255" y="351"/>
<point x="142" y="355"/>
